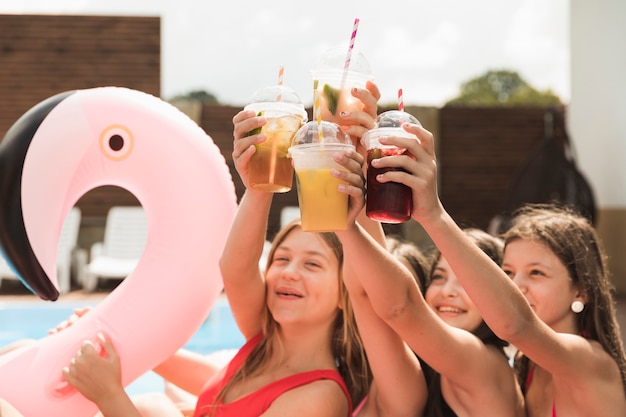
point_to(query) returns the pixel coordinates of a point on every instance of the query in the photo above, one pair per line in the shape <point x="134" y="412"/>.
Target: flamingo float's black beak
<point x="14" y="242"/>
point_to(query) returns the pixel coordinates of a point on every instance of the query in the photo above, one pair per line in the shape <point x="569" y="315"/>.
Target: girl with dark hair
<point x="556" y="260"/>
<point x="440" y="276"/>
<point x="550" y="298"/>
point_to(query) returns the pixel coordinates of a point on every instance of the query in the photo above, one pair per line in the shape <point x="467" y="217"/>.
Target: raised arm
<point x="502" y="305"/>
<point x="243" y="282"/>
<point x="394" y="295"/>
<point x="398" y="387"/>
<point x="396" y="298"/>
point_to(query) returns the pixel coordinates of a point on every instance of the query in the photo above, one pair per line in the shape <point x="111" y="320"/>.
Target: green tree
<point x="502" y="88"/>
<point x="198" y="95"/>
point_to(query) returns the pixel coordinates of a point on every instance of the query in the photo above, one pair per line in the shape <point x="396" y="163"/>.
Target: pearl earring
<point x="577" y="306"/>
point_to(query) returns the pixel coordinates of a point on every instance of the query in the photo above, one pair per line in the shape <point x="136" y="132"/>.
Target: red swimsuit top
<point x="257" y="402"/>
<point x="529" y="379"/>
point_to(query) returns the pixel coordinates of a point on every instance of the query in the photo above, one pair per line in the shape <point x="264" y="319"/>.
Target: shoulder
<point x="592" y="362"/>
<point x="319" y="398"/>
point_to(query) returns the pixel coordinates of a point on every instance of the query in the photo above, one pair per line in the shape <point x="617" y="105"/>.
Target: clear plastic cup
<point x="389" y="202"/>
<point x="270" y="166"/>
<point x="333" y="88"/>
<point x="322" y="207"/>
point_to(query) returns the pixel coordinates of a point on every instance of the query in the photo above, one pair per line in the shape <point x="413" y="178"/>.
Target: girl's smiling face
<point x="303" y="280"/>
<point x="544" y="280"/>
<point x="446" y="296"/>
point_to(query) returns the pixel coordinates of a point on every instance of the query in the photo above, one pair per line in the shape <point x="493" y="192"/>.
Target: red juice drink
<point x="389" y="202"/>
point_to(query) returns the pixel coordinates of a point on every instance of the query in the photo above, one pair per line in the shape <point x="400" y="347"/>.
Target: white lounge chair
<point x="125" y="236"/>
<point x="66" y="254"/>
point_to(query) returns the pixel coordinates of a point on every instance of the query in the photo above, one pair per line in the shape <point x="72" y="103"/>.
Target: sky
<point x="428" y="49"/>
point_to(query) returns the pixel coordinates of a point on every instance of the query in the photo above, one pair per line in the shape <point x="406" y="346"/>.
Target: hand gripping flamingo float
<point x="54" y="154"/>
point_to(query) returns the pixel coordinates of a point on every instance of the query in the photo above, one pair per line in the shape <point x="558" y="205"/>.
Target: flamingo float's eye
<point x="116" y="142"/>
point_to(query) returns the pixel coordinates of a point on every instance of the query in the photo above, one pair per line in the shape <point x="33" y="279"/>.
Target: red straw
<point x="400" y="100"/>
<point x="349" y="55"/>
<point x="281" y="72"/>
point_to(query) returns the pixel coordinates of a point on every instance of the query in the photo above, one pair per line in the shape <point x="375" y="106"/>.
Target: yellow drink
<point x="322" y="207"/>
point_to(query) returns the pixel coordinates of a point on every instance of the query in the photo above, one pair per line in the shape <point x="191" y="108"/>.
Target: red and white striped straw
<point x="400" y="100"/>
<point x="346" y="66"/>
<point x="281" y="72"/>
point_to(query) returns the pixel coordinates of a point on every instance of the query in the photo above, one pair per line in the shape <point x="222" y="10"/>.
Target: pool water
<point x="19" y="320"/>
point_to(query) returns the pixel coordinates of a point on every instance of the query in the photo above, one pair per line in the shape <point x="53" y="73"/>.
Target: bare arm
<point x="502" y="305"/>
<point x="395" y="297"/>
<point x="188" y="370"/>
<point x="377" y="278"/>
<point x="243" y="283"/>
<point x="398" y="388"/>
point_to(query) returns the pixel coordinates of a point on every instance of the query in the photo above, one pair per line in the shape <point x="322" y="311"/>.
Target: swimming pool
<point x="19" y="320"/>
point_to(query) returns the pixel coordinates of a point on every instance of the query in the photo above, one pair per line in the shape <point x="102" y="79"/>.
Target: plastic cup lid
<point x="394" y="118"/>
<point x="308" y="135"/>
<point x="331" y="65"/>
<point x="389" y="123"/>
<point x="277" y="98"/>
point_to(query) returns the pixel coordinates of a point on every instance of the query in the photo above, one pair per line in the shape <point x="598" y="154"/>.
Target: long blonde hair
<point x="346" y="343"/>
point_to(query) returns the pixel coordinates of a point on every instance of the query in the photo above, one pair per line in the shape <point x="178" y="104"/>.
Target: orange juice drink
<point x="270" y="167"/>
<point x="322" y="207"/>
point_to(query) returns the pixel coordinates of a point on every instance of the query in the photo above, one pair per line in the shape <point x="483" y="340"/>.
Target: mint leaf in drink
<point x="332" y="97"/>
<point x="258" y="129"/>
